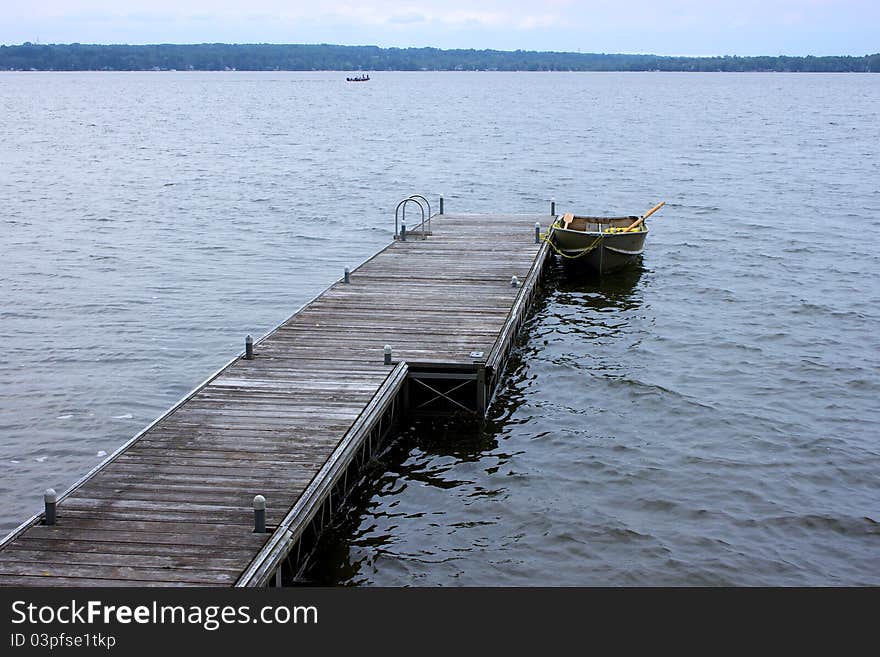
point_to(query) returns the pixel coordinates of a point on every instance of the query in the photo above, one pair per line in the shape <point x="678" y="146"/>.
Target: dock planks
<point x="173" y="507"/>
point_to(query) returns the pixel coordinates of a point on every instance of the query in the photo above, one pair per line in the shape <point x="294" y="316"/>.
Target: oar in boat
<point x="634" y="225"/>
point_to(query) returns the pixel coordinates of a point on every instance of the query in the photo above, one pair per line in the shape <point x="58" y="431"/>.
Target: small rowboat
<point x="359" y="78"/>
<point x="601" y="243"/>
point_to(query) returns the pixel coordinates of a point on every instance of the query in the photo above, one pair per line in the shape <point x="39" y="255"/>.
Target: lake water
<point x="710" y="418"/>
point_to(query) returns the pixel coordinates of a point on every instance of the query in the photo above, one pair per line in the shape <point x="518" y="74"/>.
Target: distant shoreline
<point x="326" y="57"/>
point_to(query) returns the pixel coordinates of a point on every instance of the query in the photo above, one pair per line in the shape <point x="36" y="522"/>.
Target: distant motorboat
<point x="359" y="78"/>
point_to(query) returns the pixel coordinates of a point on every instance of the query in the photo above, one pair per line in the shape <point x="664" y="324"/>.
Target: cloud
<point x="660" y="26"/>
<point x="407" y="19"/>
<point x="540" y="21"/>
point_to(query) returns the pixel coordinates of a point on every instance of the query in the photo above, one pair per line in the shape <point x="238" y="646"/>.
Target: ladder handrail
<point x="397" y="219"/>
<point x="428" y="203"/>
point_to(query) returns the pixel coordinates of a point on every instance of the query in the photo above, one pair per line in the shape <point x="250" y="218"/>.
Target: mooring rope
<point x="546" y="238"/>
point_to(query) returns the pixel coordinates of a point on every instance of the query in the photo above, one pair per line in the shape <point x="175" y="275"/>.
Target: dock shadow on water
<point x="372" y="527"/>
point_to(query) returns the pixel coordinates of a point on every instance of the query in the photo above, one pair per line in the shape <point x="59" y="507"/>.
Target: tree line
<point x="326" y="57"/>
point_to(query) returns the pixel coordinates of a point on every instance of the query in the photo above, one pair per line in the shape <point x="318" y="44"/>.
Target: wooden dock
<point x="174" y="506"/>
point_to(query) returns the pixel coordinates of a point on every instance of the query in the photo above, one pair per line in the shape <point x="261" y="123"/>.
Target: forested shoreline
<point x="302" y="57"/>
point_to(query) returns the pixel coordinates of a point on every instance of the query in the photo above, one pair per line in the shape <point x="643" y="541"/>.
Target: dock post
<point x="403" y="232"/>
<point x="537" y="232"/>
<point x="514" y="281"/>
<point x="387" y="352"/>
<point x="481" y="389"/>
<point x="249" y="348"/>
<point x="347" y="275"/>
<point x="553" y="207"/>
<point x="441" y="203"/>
<point x="51" y="500"/>
<point x="259" y="514"/>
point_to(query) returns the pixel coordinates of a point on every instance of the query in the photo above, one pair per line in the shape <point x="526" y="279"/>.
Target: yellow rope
<point x="546" y="238"/>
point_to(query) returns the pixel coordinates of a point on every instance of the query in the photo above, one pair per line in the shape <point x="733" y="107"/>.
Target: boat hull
<point x="599" y="251"/>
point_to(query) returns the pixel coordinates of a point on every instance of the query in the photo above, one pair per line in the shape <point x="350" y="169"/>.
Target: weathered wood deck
<point x="174" y="505"/>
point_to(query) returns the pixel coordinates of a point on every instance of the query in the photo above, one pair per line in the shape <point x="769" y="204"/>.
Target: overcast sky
<point x="666" y="27"/>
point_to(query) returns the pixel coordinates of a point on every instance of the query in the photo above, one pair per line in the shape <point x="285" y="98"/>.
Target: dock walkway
<point x="174" y="505"/>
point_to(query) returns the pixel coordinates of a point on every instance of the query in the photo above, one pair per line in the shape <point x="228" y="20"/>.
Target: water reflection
<point x="582" y="308"/>
<point x="575" y="284"/>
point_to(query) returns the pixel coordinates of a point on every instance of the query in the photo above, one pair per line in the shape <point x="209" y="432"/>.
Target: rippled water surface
<point x="707" y="418"/>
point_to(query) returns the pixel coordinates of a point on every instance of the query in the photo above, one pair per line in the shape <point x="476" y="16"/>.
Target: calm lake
<point x="708" y="419"/>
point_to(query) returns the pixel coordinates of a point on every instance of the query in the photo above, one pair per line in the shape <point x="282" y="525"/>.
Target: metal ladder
<point x="423" y="229"/>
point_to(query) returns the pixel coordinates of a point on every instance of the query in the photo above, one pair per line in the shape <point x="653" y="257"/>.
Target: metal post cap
<point x="259" y="503"/>
<point x="50" y="495"/>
